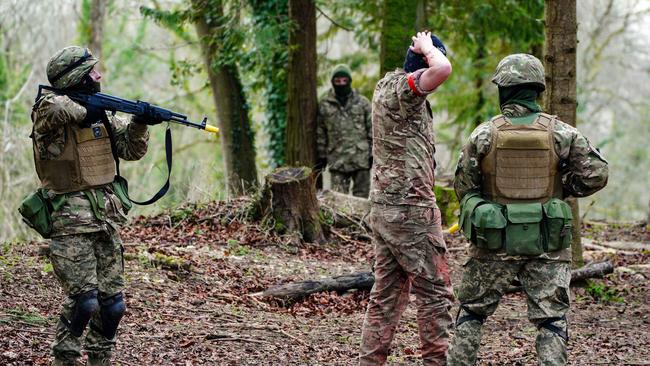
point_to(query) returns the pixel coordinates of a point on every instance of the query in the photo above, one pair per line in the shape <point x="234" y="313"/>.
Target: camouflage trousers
<point x="82" y="263"/>
<point x="546" y="284"/>
<point x="409" y="253"/>
<point x="360" y="182"/>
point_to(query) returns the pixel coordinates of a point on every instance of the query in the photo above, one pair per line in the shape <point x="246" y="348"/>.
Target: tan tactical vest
<point x="86" y="161"/>
<point x="522" y="163"/>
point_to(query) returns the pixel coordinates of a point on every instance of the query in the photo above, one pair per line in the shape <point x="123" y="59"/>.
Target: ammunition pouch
<point x="559" y="224"/>
<point x="526" y="229"/>
<point x="482" y="222"/>
<point x="37" y="208"/>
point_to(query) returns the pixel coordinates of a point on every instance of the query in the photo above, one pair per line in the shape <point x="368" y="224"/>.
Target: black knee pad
<point x="468" y="316"/>
<point x="555" y="328"/>
<point x="85" y="306"/>
<point x="111" y="312"/>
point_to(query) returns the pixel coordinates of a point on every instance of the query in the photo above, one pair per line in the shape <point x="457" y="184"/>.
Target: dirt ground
<point x="191" y="272"/>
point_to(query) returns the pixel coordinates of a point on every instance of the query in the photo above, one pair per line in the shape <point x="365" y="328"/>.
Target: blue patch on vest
<point x="97" y="132"/>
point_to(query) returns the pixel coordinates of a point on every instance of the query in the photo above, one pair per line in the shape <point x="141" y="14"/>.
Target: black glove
<point x="93" y="115"/>
<point x="149" y="117"/>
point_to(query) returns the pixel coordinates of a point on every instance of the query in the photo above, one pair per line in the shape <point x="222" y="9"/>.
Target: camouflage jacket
<point x="584" y="170"/>
<point x="403" y="142"/>
<point x="51" y="115"/>
<point x="344" y="133"/>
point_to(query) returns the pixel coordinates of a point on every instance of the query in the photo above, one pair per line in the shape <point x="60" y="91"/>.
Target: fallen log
<point x="345" y="210"/>
<point x="364" y="280"/>
<point x="296" y="290"/>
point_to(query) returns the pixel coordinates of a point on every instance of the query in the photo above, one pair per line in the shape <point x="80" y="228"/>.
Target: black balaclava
<point x="342" y="92"/>
<point x="415" y="61"/>
<point x="87" y="85"/>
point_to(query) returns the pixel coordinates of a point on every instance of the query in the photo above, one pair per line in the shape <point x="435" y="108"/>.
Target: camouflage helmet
<point x="68" y="66"/>
<point x="520" y="68"/>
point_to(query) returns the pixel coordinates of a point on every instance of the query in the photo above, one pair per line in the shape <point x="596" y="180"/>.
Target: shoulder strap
<point x="168" y="155"/>
<point x="499" y="121"/>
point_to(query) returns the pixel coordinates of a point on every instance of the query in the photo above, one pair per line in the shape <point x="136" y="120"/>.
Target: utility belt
<point x="38" y="207"/>
<point x="527" y="229"/>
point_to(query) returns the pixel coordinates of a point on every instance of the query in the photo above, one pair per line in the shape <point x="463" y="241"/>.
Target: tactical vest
<point x="521" y="165"/>
<point x="85" y="162"/>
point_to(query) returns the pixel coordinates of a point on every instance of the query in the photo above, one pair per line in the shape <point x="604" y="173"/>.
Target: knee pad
<point x="111" y="311"/>
<point x="85" y="306"/>
<point x="468" y="316"/>
<point x="553" y="325"/>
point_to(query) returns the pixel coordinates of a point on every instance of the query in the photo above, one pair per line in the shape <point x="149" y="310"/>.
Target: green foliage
<point x="602" y="293"/>
<point x="477" y="35"/>
<point x="234" y="248"/>
<point x="397" y="29"/>
<point x="267" y="60"/>
<point x="84" y="29"/>
<point x="25" y="316"/>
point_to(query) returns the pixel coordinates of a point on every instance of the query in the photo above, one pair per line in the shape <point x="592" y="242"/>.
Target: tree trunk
<point x="560" y="99"/>
<point x="289" y="197"/>
<point x="398" y="26"/>
<point x="97" y="16"/>
<point x="301" y="98"/>
<point x="236" y="136"/>
<point x="365" y="280"/>
<point x="272" y="17"/>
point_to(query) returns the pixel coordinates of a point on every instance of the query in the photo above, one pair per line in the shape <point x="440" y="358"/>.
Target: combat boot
<point x="99" y="360"/>
<point x="64" y="361"/>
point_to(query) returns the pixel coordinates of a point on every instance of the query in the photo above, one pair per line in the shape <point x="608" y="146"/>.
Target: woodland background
<point x="150" y="50"/>
<point x="198" y="265"/>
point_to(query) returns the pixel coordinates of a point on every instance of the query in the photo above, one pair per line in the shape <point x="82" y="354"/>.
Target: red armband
<point x="411" y="82"/>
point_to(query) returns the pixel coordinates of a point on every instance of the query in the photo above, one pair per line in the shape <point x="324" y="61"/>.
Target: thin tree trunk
<point x="421" y="15"/>
<point x="97" y="17"/>
<point x="236" y="136"/>
<point x="398" y="26"/>
<point x="301" y="99"/>
<point x="560" y="99"/>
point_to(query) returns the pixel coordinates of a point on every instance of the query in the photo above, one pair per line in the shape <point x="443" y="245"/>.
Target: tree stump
<point x="289" y="197"/>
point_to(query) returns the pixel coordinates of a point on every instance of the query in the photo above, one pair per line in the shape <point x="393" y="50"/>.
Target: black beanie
<point x="415" y="61"/>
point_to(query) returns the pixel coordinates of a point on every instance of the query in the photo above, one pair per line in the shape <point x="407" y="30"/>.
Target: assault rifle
<point x="138" y="108"/>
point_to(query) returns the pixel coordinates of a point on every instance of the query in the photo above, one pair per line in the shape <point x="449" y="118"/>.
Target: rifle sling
<point x="168" y="155"/>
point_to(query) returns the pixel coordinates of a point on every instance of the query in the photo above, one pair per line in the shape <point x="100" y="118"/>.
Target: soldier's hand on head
<point x="422" y="43"/>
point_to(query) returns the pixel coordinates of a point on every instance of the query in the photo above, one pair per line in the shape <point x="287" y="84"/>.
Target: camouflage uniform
<point x="545" y="278"/>
<point x="344" y="139"/>
<point x="86" y="249"/>
<point x="406" y="224"/>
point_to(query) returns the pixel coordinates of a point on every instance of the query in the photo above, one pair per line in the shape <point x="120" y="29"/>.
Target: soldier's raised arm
<point x="439" y="66"/>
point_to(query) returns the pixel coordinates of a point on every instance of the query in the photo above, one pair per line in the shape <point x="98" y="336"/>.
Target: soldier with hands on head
<point x="512" y="178"/>
<point x="406" y="223"/>
<point x="344" y="135"/>
<point x="74" y="151"/>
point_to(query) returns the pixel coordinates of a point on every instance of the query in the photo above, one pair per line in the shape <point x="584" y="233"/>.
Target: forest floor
<point x="192" y="270"/>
